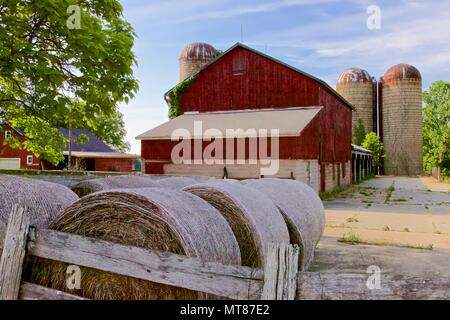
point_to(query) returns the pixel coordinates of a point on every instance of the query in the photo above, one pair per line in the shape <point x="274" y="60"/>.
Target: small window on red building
<point x="239" y="64"/>
<point x="7" y="134"/>
<point x="29" y="160"/>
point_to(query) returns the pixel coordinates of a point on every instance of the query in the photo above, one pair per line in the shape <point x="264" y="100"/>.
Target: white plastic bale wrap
<point x="45" y="200"/>
<point x="112" y="182"/>
<point x="152" y="218"/>
<point x="255" y="220"/>
<point x="176" y="183"/>
<point x="302" y="210"/>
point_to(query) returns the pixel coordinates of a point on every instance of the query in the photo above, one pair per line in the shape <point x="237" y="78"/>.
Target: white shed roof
<point x="115" y="155"/>
<point x="289" y="122"/>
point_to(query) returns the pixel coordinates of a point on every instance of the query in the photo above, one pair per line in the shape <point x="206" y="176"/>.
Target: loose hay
<point x="113" y="182"/>
<point x="152" y="218"/>
<point x="255" y="220"/>
<point x="302" y="210"/>
<point x="176" y="183"/>
<point x="43" y="199"/>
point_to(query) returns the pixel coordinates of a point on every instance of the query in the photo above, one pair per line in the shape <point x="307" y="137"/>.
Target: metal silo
<point x="193" y="57"/>
<point x="356" y="86"/>
<point x="402" y="120"/>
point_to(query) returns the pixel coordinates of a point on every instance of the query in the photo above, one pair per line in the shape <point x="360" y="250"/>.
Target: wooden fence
<point x="278" y="281"/>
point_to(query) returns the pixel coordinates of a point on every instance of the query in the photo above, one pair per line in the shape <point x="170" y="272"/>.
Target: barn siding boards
<point x="6" y="152"/>
<point x="243" y="79"/>
<point x="264" y="83"/>
<point x="120" y="165"/>
<point x="306" y="171"/>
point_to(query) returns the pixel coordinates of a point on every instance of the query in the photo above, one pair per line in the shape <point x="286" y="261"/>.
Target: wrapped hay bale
<point x="152" y="218"/>
<point x="45" y="200"/>
<point x="255" y="220"/>
<point x="302" y="210"/>
<point x="176" y="183"/>
<point x="113" y="182"/>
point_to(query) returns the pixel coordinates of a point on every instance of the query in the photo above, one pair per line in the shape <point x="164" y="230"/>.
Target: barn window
<point x="239" y="64"/>
<point x="7" y="134"/>
<point x="29" y="160"/>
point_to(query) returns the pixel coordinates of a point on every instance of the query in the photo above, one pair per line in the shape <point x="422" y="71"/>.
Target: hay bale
<point x="113" y="182"/>
<point x="302" y="210"/>
<point x="176" y="183"/>
<point x="255" y="220"/>
<point x="45" y="200"/>
<point x="152" y="218"/>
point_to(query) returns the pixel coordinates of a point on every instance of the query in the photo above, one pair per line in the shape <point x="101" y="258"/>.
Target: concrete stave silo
<point x="357" y="87"/>
<point x="193" y="57"/>
<point x="402" y="120"/>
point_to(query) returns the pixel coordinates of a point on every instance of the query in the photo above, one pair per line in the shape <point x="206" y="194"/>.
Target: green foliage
<point x="52" y="75"/>
<point x="359" y="133"/>
<point x="219" y="53"/>
<point x="43" y="140"/>
<point x="173" y="97"/>
<point x="373" y="143"/>
<point x="436" y="127"/>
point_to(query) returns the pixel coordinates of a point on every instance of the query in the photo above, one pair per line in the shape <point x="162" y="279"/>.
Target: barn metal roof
<point x="360" y="149"/>
<point x="289" y="122"/>
<point x="93" y="145"/>
<point x="326" y="85"/>
<point x="108" y="155"/>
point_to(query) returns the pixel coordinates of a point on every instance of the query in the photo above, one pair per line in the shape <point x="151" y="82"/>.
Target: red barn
<point x="94" y="155"/>
<point x="246" y="89"/>
<point x="13" y="158"/>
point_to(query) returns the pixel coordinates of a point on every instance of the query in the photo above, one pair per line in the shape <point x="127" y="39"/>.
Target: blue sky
<point x="321" y="37"/>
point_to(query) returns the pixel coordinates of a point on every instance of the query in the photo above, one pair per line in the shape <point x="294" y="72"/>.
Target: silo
<point x="356" y="86"/>
<point x="402" y="120"/>
<point x="193" y="57"/>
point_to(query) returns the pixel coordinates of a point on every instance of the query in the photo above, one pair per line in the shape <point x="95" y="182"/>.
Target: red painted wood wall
<point x="8" y="152"/>
<point x="113" y="164"/>
<point x="244" y="79"/>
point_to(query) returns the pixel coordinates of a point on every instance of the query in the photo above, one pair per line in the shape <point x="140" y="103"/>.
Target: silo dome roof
<point x="354" y="75"/>
<point x="198" y="50"/>
<point x="401" y="71"/>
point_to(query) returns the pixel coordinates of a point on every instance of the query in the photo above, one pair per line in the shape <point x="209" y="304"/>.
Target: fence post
<point x="13" y="253"/>
<point x="280" y="272"/>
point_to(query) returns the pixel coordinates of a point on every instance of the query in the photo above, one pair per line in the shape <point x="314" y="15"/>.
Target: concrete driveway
<point x="392" y="211"/>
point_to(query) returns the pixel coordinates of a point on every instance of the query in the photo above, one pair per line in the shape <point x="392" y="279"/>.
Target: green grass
<point x="355" y="239"/>
<point x="399" y="200"/>
<point x="333" y="194"/>
<point x="367" y="191"/>
<point x="389" y="192"/>
<point x="329" y="195"/>
<point x="352" y="219"/>
<point x="351" y="238"/>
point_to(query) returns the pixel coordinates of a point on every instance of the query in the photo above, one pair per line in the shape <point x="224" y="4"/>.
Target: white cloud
<point x="418" y="32"/>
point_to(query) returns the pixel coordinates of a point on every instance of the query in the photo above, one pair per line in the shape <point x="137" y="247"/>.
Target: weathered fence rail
<point x="234" y="282"/>
<point x="278" y="281"/>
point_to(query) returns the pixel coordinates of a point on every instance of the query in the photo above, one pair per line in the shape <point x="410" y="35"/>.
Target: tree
<point x="359" y="133"/>
<point x="373" y="143"/>
<point x="64" y="65"/>
<point x="436" y="127"/>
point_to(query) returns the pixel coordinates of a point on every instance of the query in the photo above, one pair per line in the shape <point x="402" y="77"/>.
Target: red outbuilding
<point x="94" y="155"/>
<point x="246" y="89"/>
